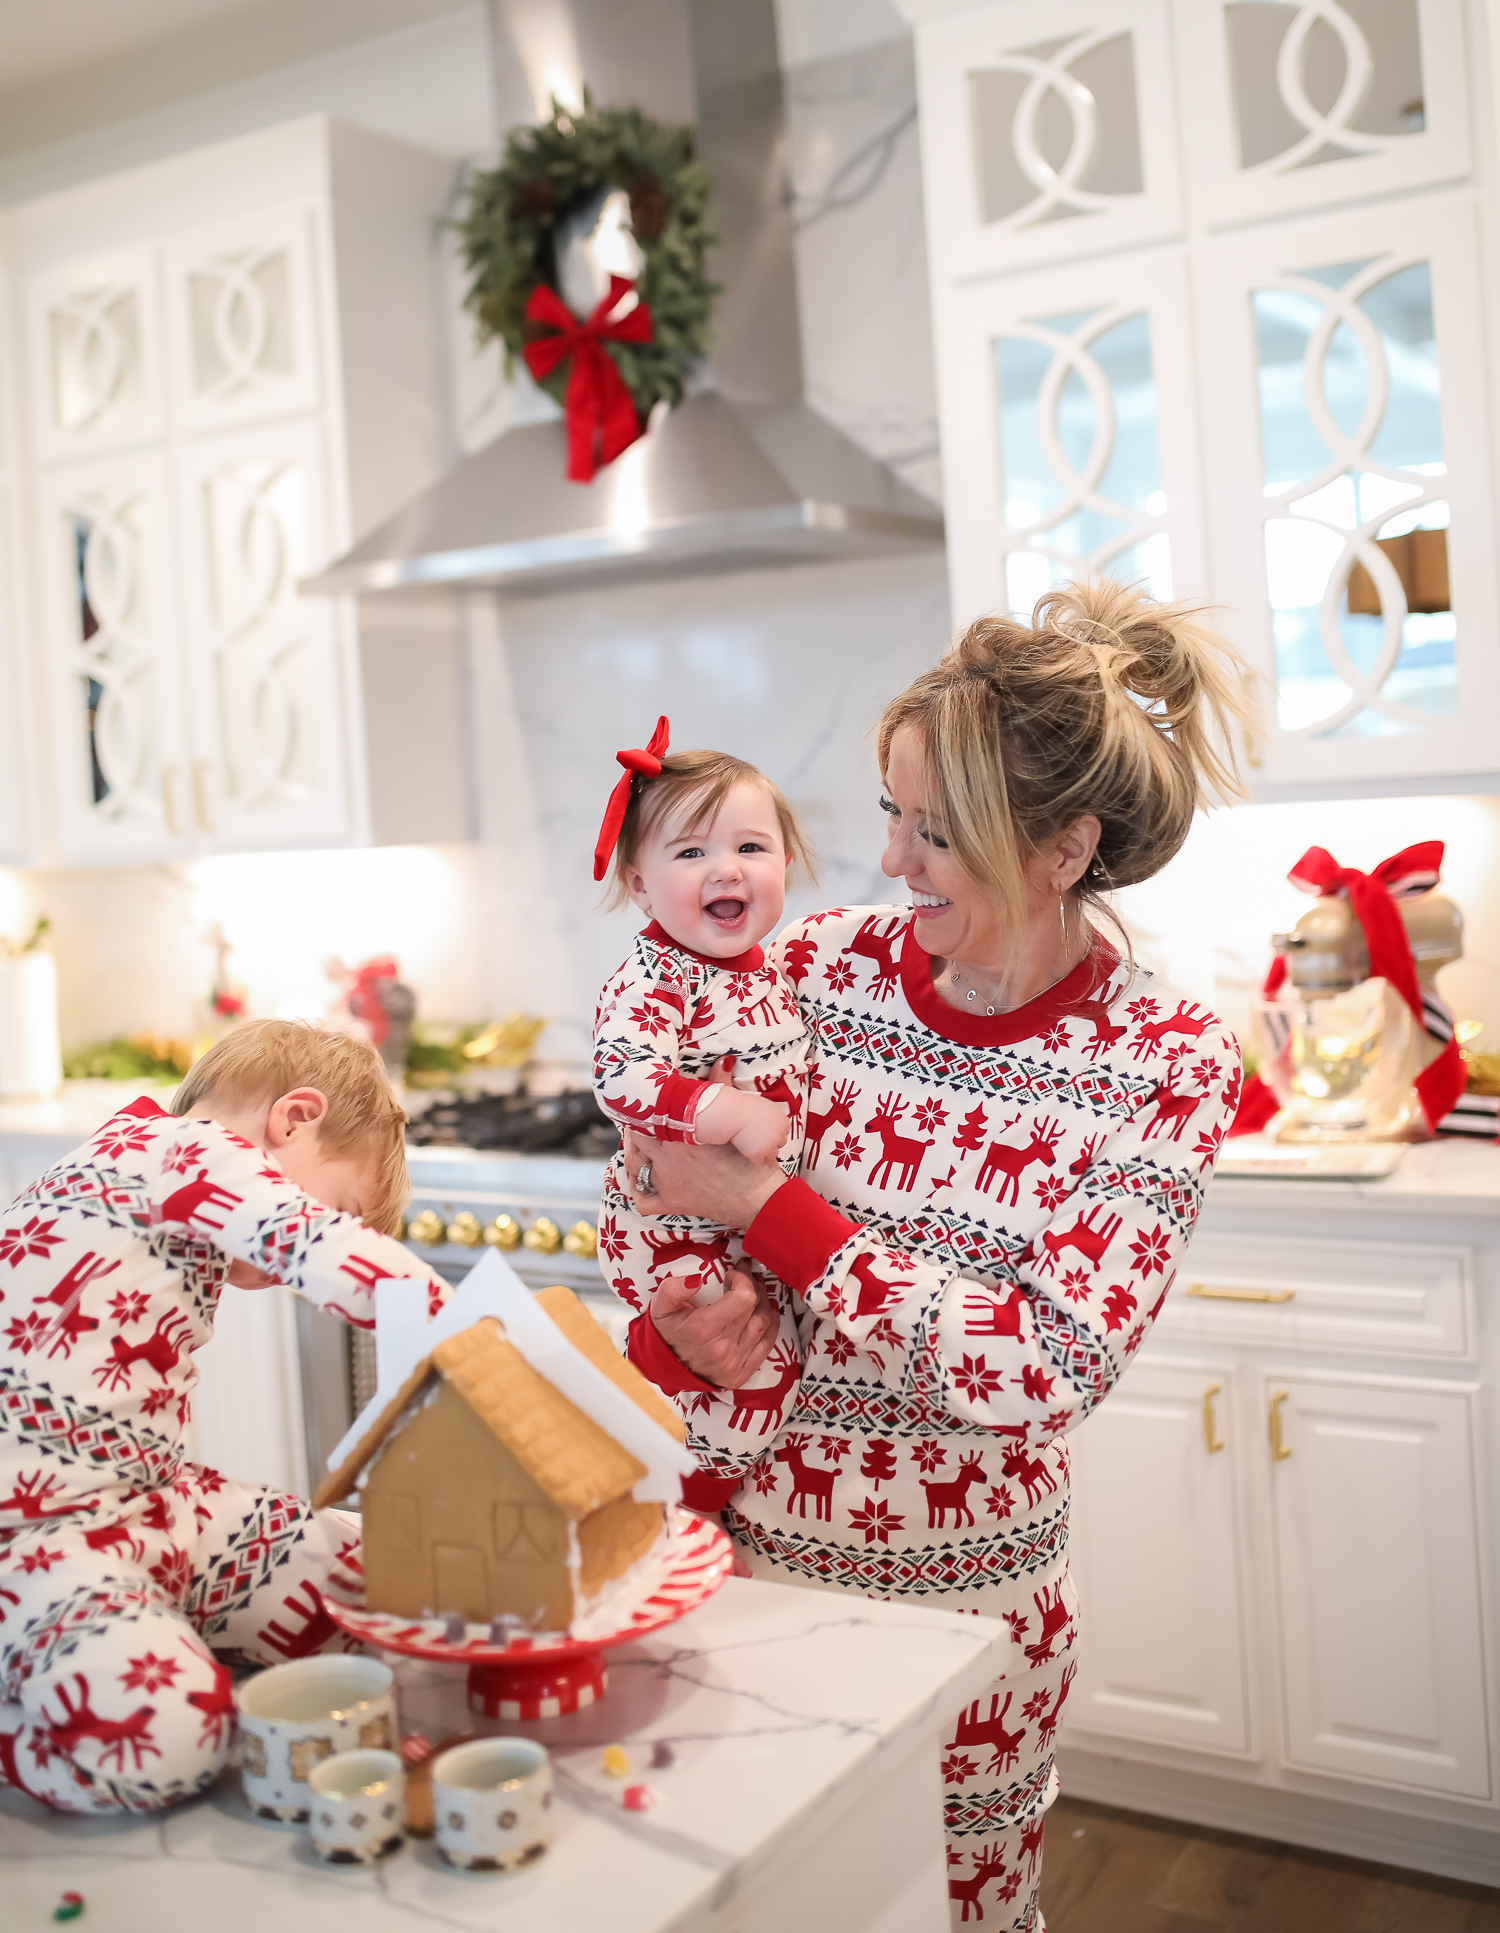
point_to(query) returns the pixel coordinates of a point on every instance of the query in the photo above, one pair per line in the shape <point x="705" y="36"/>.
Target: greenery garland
<point x="508" y="234"/>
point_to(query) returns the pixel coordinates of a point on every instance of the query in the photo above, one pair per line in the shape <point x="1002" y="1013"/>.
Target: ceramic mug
<point x="358" y="1807"/>
<point x="492" y="1804"/>
<point x="294" y="1716"/>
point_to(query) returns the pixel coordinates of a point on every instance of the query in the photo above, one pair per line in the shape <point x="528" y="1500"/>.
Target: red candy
<point x="638" y="1798"/>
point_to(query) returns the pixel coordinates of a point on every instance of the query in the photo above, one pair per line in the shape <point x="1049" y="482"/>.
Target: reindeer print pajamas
<point x="664" y="1021"/>
<point x="991" y="1213"/>
<point x="128" y="1572"/>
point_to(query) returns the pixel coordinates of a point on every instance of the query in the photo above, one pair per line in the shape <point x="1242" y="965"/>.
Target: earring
<point x="1062" y="914"/>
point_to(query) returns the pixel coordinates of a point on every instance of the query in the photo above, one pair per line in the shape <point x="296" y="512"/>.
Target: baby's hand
<point x="753" y="1125"/>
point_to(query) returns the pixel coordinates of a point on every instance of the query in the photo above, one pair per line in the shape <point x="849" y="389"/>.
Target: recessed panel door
<point x="1154" y="1551"/>
<point x="1377" y="1580"/>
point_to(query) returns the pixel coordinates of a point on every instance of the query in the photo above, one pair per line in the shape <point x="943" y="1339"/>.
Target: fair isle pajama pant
<point x="115" y="1624"/>
<point x="998" y="1783"/>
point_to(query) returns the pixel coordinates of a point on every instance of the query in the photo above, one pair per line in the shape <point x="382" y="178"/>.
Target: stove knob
<point x="427" y="1228"/>
<point x="543" y="1237"/>
<point x="582" y="1240"/>
<point x="503" y="1232"/>
<point x="465" y="1230"/>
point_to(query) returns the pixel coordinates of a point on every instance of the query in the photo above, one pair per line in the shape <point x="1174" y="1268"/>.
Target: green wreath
<point x="509" y="227"/>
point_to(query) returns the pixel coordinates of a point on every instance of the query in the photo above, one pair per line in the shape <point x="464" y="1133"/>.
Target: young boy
<point x="124" y="1568"/>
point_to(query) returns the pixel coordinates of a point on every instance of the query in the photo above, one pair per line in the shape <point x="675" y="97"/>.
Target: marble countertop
<point x="1449" y="1177"/>
<point x="786" y="1710"/>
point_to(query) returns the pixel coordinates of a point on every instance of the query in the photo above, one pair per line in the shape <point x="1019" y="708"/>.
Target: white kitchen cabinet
<point x="1157" y="1558"/>
<point x="234" y="362"/>
<point x="1218" y="387"/>
<point x="1377" y="1580"/>
<point x="13" y="824"/>
<point x="1334" y="1565"/>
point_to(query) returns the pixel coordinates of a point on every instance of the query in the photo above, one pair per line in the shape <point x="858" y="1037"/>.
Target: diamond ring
<point x="643" y="1181"/>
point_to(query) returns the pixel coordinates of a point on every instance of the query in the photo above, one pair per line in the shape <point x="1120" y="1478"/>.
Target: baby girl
<point x="701" y="843"/>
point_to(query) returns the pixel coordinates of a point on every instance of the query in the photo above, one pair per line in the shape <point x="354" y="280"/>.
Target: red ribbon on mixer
<point x="364" y="1002"/>
<point x="1372" y="897"/>
<point x="643" y="761"/>
<point x="600" y="416"/>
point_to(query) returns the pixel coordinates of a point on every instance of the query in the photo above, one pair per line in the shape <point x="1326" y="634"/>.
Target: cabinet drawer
<point x="1383" y="1298"/>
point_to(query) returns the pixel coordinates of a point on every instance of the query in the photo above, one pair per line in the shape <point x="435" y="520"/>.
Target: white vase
<point x="30" y="1059"/>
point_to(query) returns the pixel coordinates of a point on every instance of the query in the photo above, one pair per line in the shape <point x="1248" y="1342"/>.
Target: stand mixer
<point x="1345" y="1048"/>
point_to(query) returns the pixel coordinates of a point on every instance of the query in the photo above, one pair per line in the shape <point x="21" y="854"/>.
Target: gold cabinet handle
<point x="465" y="1230"/>
<point x="503" y="1232"/>
<point x="1206" y="1294"/>
<point x="169" y="777"/>
<point x="1211" y="1437"/>
<point x="543" y="1237"/>
<point x="1279" y="1450"/>
<point x="427" y="1228"/>
<point x="201" y="769"/>
<point x="582" y="1240"/>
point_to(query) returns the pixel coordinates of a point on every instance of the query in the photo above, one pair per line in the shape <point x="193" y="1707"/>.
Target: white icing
<point x="611" y="1608"/>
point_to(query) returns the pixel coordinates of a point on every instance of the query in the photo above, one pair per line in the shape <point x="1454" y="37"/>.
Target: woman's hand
<point x="726" y="1342"/>
<point x="717" y="1183"/>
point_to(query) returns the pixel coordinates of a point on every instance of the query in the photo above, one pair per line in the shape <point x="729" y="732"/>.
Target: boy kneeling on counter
<point x="128" y="1574"/>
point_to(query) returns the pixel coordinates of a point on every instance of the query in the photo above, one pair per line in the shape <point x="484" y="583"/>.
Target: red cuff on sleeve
<point x="655" y="1359"/>
<point x="676" y="1105"/>
<point x="796" y="1235"/>
<point x="704" y="1491"/>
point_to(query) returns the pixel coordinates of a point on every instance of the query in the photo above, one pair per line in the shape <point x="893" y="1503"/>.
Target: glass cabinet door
<point x="1351" y="497"/>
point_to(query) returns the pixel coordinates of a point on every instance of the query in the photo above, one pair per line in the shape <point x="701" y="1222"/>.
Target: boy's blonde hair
<point x="696" y="784"/>
<point x="264" y="1059"/>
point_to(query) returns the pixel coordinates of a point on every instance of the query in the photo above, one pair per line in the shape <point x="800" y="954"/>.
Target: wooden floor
<point x="1108" y="1871"/>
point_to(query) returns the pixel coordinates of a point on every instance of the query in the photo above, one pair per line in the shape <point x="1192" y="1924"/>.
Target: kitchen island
<point x="803" y="1729"/>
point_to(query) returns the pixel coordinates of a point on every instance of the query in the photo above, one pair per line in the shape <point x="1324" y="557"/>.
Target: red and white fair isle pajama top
<point x="664" y="1020"/>
<point x="124" y="1566"/>
<point x="990" y="1214"/>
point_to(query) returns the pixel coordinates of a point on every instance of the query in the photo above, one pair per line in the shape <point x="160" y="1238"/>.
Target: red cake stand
<point x="551" y="1675"/>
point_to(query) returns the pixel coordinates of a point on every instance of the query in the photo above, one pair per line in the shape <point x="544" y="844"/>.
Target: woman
<point x="1009" y="1132"/>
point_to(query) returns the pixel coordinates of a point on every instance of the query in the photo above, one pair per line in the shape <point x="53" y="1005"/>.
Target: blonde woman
<point x="1008" y="1137"/>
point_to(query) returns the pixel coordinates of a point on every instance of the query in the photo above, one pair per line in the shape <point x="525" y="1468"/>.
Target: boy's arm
<point x="232" y="1195"/>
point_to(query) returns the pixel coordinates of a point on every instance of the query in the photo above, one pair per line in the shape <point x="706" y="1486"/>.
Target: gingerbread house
<point x="487" y="1490"/>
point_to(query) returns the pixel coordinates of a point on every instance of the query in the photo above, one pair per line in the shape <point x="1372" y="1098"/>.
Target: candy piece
<point x="416" y="1749"/>
<point x="616" y="1762"/>
<point x="638" y="1798"/>
<point x="455" y="1631"/>
<point x="508" y="1629"/>
<point x="662" y="1755"/>
<point x="71" y="1907"/>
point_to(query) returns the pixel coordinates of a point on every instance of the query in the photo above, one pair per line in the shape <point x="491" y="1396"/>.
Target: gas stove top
<point x="567" y="1124"/>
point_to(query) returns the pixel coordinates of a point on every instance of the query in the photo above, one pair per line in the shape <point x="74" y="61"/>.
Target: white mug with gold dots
<point x="358" y="1807"/>
<point x="294" y="1716"/>
<point x="492" y="1804"/>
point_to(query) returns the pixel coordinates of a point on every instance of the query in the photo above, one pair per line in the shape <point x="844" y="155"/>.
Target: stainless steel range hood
<point x="741" y="475"/>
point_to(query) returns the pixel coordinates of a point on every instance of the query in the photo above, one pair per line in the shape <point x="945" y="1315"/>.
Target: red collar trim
<point x="1036" y="1017"/>
<point x="736" y="963"/>
<point x="143" y="1106"/>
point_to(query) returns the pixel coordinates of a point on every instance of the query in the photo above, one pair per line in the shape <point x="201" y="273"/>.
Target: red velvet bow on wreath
<point x="600" y="416"/>
<point x="1372" y="898"/>
<point x="645" y="761"/>
<point x="364" y="1000"/>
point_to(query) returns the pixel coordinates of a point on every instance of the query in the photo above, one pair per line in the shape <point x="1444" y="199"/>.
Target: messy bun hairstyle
<point x="1108" y="704"/>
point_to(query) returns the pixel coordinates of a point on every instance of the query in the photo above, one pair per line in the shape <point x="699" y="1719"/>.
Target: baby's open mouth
<point x="725" y="909"/>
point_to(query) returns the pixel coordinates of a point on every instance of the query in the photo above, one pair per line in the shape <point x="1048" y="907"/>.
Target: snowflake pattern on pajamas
<point x="990" y="1214"/>
<point x="124" y="1567"/>
<point x="664" y="1021"/>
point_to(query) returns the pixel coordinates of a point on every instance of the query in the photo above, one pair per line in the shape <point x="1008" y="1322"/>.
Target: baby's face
<point x="716" y="887"/>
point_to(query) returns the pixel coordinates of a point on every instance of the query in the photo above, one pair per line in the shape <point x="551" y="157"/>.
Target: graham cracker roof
<point x="577" y="1463"/>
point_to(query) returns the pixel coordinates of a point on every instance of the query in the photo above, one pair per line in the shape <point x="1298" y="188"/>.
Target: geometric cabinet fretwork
<point x="203" y="338"/>
<point x="1261" y="381"/>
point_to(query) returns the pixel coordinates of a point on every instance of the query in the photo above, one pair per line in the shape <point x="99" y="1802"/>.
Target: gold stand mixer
<point x="1343" y="1048"/>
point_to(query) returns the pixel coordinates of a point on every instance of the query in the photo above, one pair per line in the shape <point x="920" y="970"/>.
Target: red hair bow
<point x="645" y="762"/>
<point x="1372" y="897"/>
<point x="601" y="418"/>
